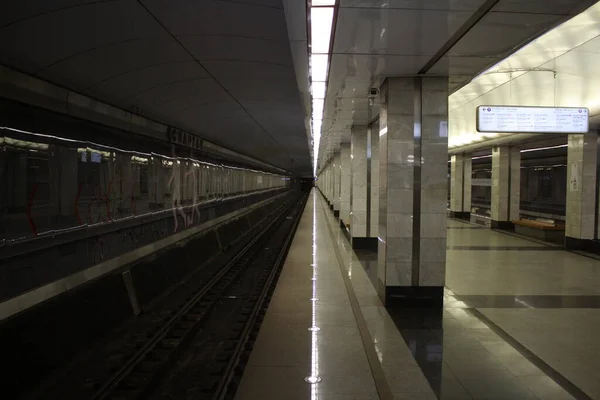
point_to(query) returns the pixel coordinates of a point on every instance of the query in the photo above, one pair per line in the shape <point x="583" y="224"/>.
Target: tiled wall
<point x="358" y="157"/>
<point x="374" y="181"/>
<point x="337" y="176"/>
<point x="345" y="182"/>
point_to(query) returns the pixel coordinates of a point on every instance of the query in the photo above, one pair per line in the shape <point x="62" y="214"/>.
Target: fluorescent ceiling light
<point x="318" y="106"/>
<point x="319" y="67"/>
<point x="323" y="3"/>
<point x="321" y="20"/>
<point x="544" y="148"/>
<point x="480" y="157"/>
<point x="318" y="90"/>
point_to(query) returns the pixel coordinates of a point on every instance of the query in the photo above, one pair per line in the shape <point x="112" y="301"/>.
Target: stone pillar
<point x="374" y="206"/>
<point x="581" y="191"/>
<point x="326" y="182"/>
<point x="331" y="183"/>
<point x="337" y="177"/>
<point x="345" y="165"/>
<point x="506" y="178"/>
<point x="460" y="186"/>
<point x="359" y="188"/>
<point x="467" y="182"/>
<point x="515" y="184"/>
<point x="413" y="162"/>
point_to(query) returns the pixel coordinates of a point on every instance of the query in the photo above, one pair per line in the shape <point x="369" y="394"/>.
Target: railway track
<point x="197" y="349"/>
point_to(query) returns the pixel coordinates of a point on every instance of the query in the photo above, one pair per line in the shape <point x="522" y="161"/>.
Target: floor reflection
<point x="422" y="330"/>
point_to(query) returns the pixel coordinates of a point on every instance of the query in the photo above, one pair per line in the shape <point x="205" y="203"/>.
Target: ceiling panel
<point x="219" y="18"/>
<point x="42" y="40"/>
<point x="99" y="64"/>
<point x="128" y="84"/>
<point x="376" y="39"/>
<point x="19" y="10"/>
<point x="162" y="95"/>
<point x="499" y="33"/>
<point x="462" y="5"/>
<point x="207" y="112"/>
<point x="218" y="68"/>
<point x="240" y="49"/>
<point x="563" y="7"/>
<point x="395" y="31"/>
<point x="462" y="65"/>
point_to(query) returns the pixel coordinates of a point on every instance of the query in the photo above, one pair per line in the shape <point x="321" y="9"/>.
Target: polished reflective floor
<point x="521" y="321"/>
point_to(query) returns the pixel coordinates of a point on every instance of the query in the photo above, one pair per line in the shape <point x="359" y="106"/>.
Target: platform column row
<point x="345" y="182"/>
<point x="337" y="176"/>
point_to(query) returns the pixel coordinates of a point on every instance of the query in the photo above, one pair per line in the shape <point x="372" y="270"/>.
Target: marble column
<point x="460" y="186"/>
<point x="331" y="183"/>
<point x="321" y="181"/>
<point x="337" y="176"/>
<point x="467" y="183"/>
<point x="359" y="188"/>
<point x="374" y="206"/>
<point x="326" y="193"/>
<point x="581" y="191"/>
<point x="506" y="181"/>
<point x="413" y="173"/>
<point x="345" y="176"/>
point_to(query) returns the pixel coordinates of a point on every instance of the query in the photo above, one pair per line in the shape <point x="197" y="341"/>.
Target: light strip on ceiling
<point x="544" y="148"/>
<point x="321" y="17"/>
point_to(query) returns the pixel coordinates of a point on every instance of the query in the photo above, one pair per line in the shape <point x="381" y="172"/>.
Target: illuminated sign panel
<point x="532" y="119"/>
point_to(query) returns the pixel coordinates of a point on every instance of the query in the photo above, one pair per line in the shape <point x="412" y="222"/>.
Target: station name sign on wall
<point x="513" y="119"/>
<point x="182" y="138"/>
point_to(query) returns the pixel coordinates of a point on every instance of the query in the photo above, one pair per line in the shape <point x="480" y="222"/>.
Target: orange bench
<point x="546" y="226"/>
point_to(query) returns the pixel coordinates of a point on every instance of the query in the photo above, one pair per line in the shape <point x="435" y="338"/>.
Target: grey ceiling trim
<point x="235" y="60"/>
<point x="265" y="39"/>
<point x="146" y="90"/>
<point x="197" y="106"/>
<point x="245" y="3"/>
<point x="91" y="49"/>
<point x="138" y="69"/>
<point x="55" y="10"/>
<point x="462" y="31"/>
<point x="140" y="2"/>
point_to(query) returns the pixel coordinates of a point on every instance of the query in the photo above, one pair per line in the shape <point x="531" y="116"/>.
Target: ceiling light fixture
<point x="544" y="148"/>
<point x="321" y="16"/>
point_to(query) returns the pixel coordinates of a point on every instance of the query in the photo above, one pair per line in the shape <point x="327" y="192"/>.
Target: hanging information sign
<point x="514" y="119"/>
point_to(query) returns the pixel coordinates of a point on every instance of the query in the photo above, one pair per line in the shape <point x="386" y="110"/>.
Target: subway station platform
<point x="520" y="321"/>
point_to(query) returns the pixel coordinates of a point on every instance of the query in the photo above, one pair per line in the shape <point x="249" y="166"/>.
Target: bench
<point x="543" y="230"/>
<point x="539" y="224"/>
